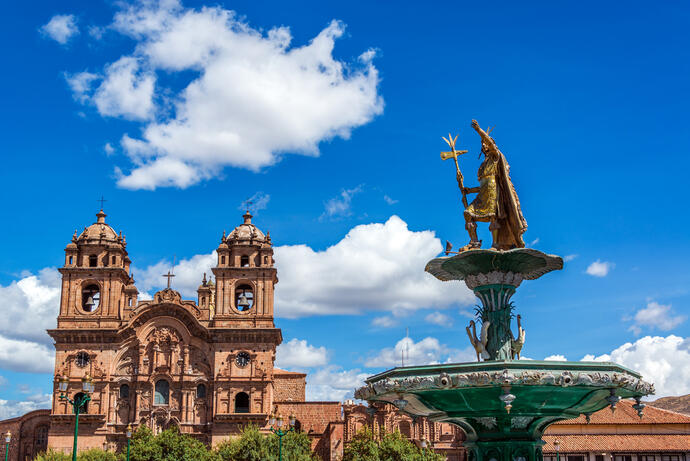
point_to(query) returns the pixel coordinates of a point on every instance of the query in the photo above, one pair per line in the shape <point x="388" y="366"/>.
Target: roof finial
<point x="100" y="217"/>
<point x="247" y="217"/>
<point x="102" y="200"/>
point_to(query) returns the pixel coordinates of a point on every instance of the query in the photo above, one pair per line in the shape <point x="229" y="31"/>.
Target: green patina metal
<point x="503" y="405"/>
<point x="498" y="310"/>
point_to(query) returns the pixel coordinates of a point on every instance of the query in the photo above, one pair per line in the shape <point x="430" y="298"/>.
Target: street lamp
<point x="8" y="439"/>
<point x="277" y="423"/>
<point x="79" y="401"/>
<point x="423" y="443"/>
<point x="129" y="436"/>
<point x="557" y="445"/>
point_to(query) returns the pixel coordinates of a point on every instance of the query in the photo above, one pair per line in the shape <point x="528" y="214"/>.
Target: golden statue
<point x="496" y="202"/>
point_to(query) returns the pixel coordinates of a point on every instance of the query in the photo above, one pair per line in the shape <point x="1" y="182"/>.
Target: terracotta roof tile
<point x="642" y="443"/>
<point x="626" y="414"/>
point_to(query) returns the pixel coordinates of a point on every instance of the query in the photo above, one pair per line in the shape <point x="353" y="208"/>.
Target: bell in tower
<point x="245" y="276"/>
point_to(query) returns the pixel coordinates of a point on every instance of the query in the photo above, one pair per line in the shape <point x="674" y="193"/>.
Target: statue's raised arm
<point x="487" y="140"/>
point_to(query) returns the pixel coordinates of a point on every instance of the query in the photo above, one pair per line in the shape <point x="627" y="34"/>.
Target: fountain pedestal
<point x="503" y="405"/>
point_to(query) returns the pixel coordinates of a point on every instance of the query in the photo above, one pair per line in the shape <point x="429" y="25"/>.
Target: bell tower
<point x="245" y="278"/>
<point x="96" y="285"/>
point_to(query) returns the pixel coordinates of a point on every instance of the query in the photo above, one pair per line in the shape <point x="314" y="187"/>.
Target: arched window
<point x="124" y="391"/>
<point x="41" y="439"/>
<point x="244" y="298"/>
<point x="93" y="261"/>
<point x="90" y="298"/>
<point x="162" y="395"/>
<point x="85" y="407"/>
<point x="70" y="260"/>
<point x="244" y="261"/>
<point x="201" y="391"/>
<point x="242" y="402"/>
<point x="405" y="429"/>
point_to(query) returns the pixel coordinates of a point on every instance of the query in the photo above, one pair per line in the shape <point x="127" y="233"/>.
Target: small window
<point x="93" y="261"/>
<point x="201" y="391"/>
<point x="242" y="402"/>
<point x="222" y="259"/>
<point x="162" y="394"/>
<point x="203" y="301"/>
<point x="113" y="260"/>
<point x="70" y="259"/>
<point x="244" y="298"/>
<point x="124" y="391"/>
<point x="244" y="261"/>
<point x="265" y="259"/>
<point x="129" y="302"/>
<point x="90" y="298"/>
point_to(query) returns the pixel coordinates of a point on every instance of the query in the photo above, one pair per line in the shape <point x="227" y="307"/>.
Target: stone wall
<point x="29" y="435"/>
<point x="289" y="386"/>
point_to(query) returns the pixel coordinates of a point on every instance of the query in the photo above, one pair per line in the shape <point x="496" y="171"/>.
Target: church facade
<point x="205" y="366"/>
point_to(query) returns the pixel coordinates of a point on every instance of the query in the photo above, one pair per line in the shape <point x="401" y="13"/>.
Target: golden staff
<point x="454" y="155"/>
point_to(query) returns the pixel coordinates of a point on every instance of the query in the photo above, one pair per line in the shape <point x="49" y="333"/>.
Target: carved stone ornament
<point x="449" y="380"/>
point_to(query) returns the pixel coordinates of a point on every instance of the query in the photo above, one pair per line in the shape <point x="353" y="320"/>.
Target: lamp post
<point x="423" y="443"/>
<point x="277" y="423"/>
<point x="8" y="439"/>
<point x="79" y="401"/>
<point x="129" y="436"/>
<point x="557" y="445"/>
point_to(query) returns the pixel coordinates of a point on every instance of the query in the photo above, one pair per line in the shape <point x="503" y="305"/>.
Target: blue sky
<point x="589" y="104"/>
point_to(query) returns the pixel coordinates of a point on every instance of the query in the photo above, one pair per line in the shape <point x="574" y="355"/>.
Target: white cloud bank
<point x="664" y="361"/>
<point x="13" y="408"/>
<point x="427" y="351"/>
<point x="254" y="96"/>
<point x="599" y="268"/>
<point x="298" y="354"/>
<point x="61" y="28"/>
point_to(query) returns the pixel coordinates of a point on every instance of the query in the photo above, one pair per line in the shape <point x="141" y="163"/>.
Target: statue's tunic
<point x="485" y="205"/>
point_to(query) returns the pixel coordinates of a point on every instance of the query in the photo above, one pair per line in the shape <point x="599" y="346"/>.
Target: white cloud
<point x="385" y="321"/>
<point x="126" y="90"/>
<point x="252" y="98"/>
<point x="298" y="354"/>
<point x="109" y="149"/>
<point x="255" y="203"/>
<point x="26" y="356"/>
<point x="600" y="268"/>
<point x="13" y="408"/>
<point x="440" y="319"/>
<point x="340" y="205"/>
<point x="334" y="383"/>
<point x="664" y="361"/>
<point x="555" y="358"/>
<point x="376" y="267"/>
<point x="427" y="351"/>
<point x="569" y="258"/>
<point x="655" y="315"/>
<point x="389" y="200"/>
<point x="30" y="306"/>
<point x="61" y="28"/>
<point x="533" y="242"/>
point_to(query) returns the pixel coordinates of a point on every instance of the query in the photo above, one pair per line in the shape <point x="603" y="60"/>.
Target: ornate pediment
<point x="167" y="295"/>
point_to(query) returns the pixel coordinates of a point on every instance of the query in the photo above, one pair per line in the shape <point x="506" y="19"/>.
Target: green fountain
<point x="503" y="404"/>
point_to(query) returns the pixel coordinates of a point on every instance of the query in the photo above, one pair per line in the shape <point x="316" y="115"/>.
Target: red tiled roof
<point x="278" y="371"/>
<point x="626" y="414"/>
<point x="643" y="443"/>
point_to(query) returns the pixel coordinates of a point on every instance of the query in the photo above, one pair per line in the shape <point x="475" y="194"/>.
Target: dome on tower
<point x="99" y="231"/>
<point x="246" y="231"/>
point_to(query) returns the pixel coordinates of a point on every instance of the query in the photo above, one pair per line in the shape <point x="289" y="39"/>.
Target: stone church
<point x="204" y="366"/>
